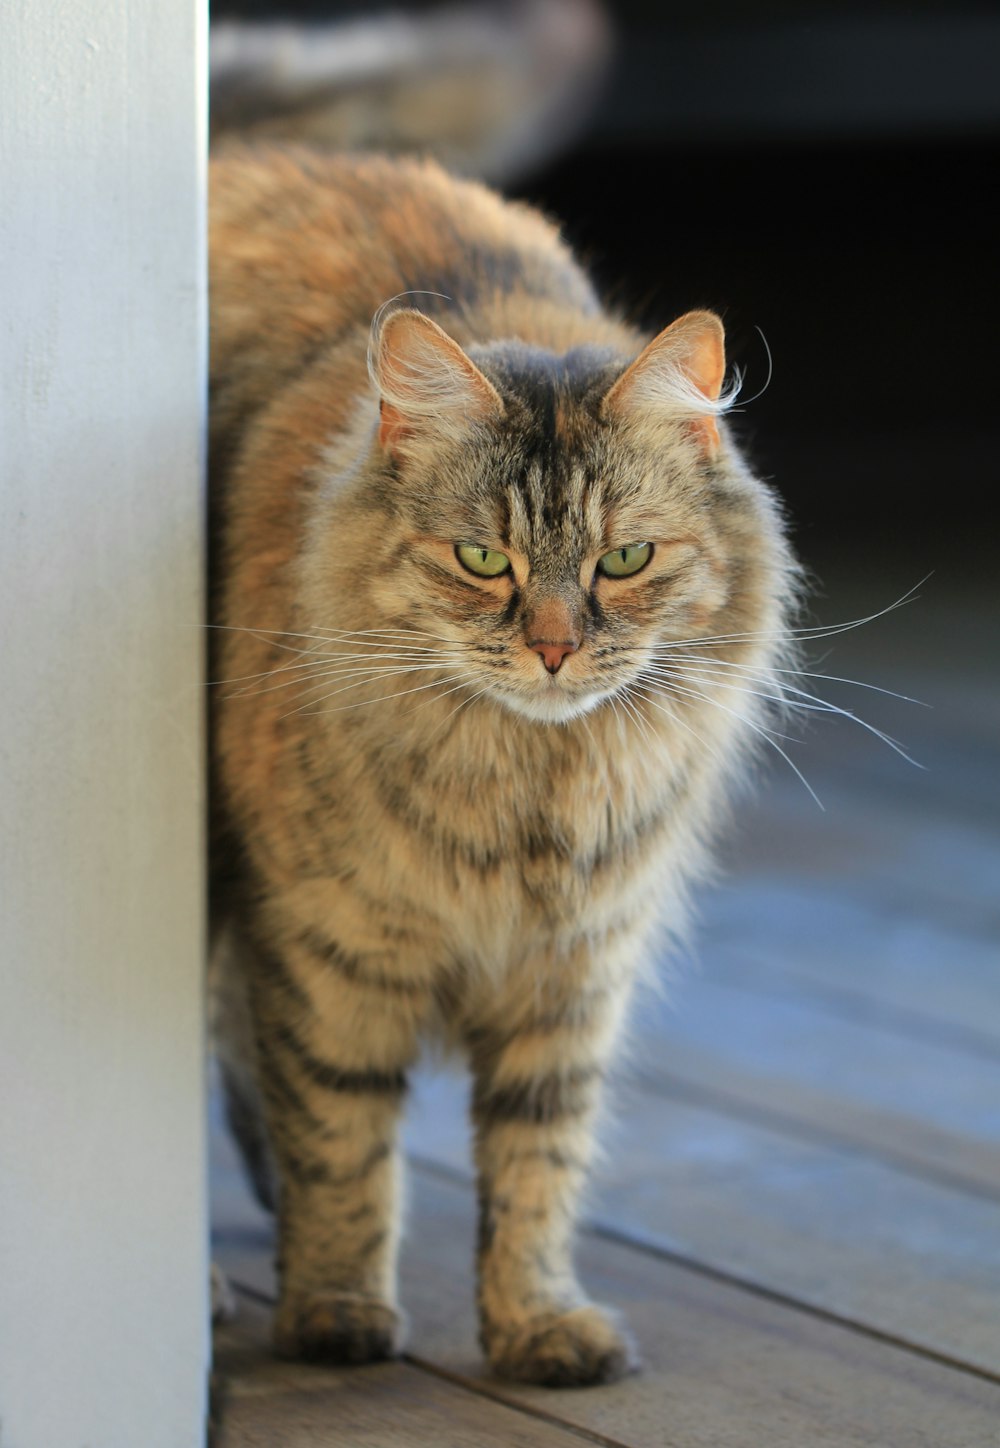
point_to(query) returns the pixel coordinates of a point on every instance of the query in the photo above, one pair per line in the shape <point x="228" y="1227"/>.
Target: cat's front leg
<point x="536" y="1090"/>
<point x="333" y="1054"/>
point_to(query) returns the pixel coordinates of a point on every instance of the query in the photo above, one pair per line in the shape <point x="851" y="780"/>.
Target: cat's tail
<point x="492" y="90"/>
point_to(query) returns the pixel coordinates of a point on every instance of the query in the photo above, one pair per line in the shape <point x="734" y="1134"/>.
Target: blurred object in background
<point x="492" y="90"/>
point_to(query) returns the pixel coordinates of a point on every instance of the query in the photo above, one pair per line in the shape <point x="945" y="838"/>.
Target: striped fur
<point x="420" y="830"/>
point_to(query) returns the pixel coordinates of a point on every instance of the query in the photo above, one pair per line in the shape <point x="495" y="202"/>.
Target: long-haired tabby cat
<point x="495" y="590"/>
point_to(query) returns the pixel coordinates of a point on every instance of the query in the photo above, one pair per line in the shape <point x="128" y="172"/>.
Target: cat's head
<point x="556" y="518"/>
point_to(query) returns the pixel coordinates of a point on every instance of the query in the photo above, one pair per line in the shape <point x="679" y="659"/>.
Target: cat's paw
<point x="337" y="1328"/>
<point x="563" y="1350"/>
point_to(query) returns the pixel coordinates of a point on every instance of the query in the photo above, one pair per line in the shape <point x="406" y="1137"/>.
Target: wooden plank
<point x="948" y="731"/>
<point x="891" y="836"/>
<point x="259" y="1402"/>
<point x="934" y="1108"/>
<point x="919" y="843"/>
<point x="840" y="1232"/>
<point x="723" y="1367"/>
<point x="902" y="850"/>
<point x="854" y="957"/>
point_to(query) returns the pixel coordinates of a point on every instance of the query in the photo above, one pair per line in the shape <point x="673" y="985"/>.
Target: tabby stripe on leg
<point x="353" y="1083"/>
<point x="282" y="1094"/>
<point x="331" y="1077"/>
<point x="311" y="1173"/>
<point x="322" y="1174"/>
<point x="577" y="1021"/>
<point x="271" y="972"/>
<point x="351" y="968"/>
<point x="542" y="1099"/>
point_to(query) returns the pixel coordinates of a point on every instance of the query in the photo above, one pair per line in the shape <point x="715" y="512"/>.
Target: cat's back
<point x="306" y="247"/>
<point x="304" y="218"/>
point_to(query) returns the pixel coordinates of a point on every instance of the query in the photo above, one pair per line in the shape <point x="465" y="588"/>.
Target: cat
<point x="495" y="592"/>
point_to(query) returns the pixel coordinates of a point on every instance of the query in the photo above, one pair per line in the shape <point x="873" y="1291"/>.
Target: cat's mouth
<point x="552" y="701"/>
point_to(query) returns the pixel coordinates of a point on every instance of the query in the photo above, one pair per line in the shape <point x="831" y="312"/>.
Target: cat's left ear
<point x="428" y="387"/>
<point x="678" y="376"/>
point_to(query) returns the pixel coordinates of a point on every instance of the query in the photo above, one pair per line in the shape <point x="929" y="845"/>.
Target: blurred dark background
<point x="820" y="172"/>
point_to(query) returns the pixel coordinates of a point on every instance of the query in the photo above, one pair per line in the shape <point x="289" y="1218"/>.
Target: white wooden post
<point x="103" y="1340"/>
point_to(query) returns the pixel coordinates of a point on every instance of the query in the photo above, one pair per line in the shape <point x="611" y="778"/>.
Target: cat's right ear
<point x="428" y="388"/>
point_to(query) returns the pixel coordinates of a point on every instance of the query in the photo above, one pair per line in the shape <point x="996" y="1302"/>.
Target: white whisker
<point x="664" y="652"/>
<point x="459" y="707"/>
<point x="810" y="631"/>
<point x="340" y="656"/>
<point x="670" y="679"/>
<point x="355" y="677"/>
<point x="359" y="636"/>
<point x="632" y="706"/>
<point x="348" y="669"/>
<point x="379" y="698"/>
<point x="663" y="708"/>
<point x="771" y="736"/>
<point x="618" y="717"/>
<point x="803" y="700"/>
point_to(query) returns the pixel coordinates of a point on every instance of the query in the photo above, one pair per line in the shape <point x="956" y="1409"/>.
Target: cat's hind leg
<point x="334" y="1045"/>
<point x="235" y="1049"/>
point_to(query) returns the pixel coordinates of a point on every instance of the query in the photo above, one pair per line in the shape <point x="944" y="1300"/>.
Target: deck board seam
<point x="855" y="1007"/>
<point x="678" y="1088"/>
<point x="467" y="1385"/>
<point x="497" y="1395"/>
<point x="638" y="1243"/>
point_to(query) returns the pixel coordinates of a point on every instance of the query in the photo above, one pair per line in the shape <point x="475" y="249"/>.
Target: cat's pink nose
<point x="553" y="654"/>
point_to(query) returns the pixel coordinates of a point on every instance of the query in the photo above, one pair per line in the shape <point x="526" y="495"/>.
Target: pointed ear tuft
<point x="677" y="377"/>
<point x="427" y="384"/>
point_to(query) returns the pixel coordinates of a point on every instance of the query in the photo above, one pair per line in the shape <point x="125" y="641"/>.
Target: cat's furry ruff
<point x="422" y="827"/>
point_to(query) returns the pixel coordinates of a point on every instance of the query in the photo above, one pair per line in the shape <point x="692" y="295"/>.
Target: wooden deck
<point x="799" y="1210"/>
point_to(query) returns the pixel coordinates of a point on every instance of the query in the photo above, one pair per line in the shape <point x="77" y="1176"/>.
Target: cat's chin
<point x="551" y="707"/>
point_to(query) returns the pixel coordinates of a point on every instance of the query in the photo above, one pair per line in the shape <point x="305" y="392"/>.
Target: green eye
<point x="621" y="562"/>
<point x="487" y="562"/>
